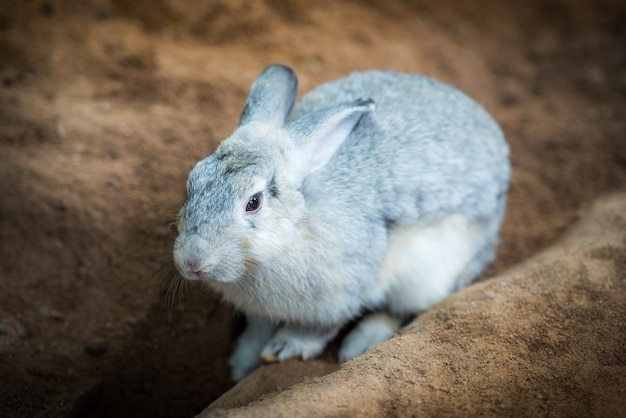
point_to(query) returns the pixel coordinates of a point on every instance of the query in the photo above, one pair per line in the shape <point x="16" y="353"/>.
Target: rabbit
<point x="373" y="198"/>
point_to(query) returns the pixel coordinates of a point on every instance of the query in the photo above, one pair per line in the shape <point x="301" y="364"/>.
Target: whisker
<point x="192" y="153"/>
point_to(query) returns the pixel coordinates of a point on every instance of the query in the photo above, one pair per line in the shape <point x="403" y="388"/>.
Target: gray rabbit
<point x="375" y="196"/>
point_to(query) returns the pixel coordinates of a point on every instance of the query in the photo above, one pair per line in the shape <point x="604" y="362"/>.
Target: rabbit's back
<point x="425" y="151"/>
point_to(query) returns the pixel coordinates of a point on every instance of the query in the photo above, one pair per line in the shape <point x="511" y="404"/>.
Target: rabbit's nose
<point x="195" y="268"/>
<point x="196" y="264"/>
<point x="192" y="256"/>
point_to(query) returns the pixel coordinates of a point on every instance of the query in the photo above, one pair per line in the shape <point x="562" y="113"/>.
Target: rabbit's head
<point x="244" y="207"/>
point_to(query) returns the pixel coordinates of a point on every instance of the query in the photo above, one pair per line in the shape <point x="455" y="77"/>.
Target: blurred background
<point x="105" y="105"/>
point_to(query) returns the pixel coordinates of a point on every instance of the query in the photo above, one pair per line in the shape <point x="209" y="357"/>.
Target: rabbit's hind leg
<point x="423" y="265"/>
<point x="369" y="332"/>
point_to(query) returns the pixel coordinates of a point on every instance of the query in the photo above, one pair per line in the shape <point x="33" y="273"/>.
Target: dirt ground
<point x="105" y="105"/>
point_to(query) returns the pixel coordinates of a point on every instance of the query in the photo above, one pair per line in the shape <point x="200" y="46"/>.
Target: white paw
<point x="296" y="342"/>
<point x="243" y="361"/>
<point x="246" y="356"/>
<point x="371" y="331"/>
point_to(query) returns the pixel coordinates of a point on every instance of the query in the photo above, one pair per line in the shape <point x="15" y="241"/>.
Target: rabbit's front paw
<point x="291" y="342"/>
<point x="243" y="361"/>
<point x="246" y="358"/>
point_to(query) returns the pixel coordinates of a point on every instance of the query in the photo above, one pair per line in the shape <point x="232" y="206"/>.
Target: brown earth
<point x="105" y="105"/>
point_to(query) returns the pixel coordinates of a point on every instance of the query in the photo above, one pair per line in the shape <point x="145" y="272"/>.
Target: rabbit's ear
<point x="271" y="97"/>
<point x="319" y="134"/>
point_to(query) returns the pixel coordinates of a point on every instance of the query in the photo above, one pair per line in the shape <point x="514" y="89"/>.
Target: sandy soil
<point x="105" y="106"/>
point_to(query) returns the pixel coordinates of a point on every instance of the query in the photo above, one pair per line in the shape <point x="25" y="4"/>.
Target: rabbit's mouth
<point x="206" y="273"/>
<point x="193" y="275"/>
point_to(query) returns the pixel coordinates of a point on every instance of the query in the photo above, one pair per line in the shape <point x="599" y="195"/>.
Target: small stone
<point x="56" y="315"/>
<point x="97" y="347"/>
<point x="13" y="326"/>
<point x="51" y="313"/>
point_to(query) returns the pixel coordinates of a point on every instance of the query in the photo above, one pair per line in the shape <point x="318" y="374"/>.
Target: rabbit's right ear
<point x="319" y="134"/>
<point x="271" y="97"/>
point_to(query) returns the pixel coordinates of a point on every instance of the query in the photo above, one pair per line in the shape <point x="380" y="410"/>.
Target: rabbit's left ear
<point x="319" y="134"/>
<point x="271" y="97"/>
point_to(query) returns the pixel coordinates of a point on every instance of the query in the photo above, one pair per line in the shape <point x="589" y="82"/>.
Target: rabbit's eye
<point x="254" y="203"/>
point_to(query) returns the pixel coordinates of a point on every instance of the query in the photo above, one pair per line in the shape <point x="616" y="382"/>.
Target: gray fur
<point x="354" y="161"/>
